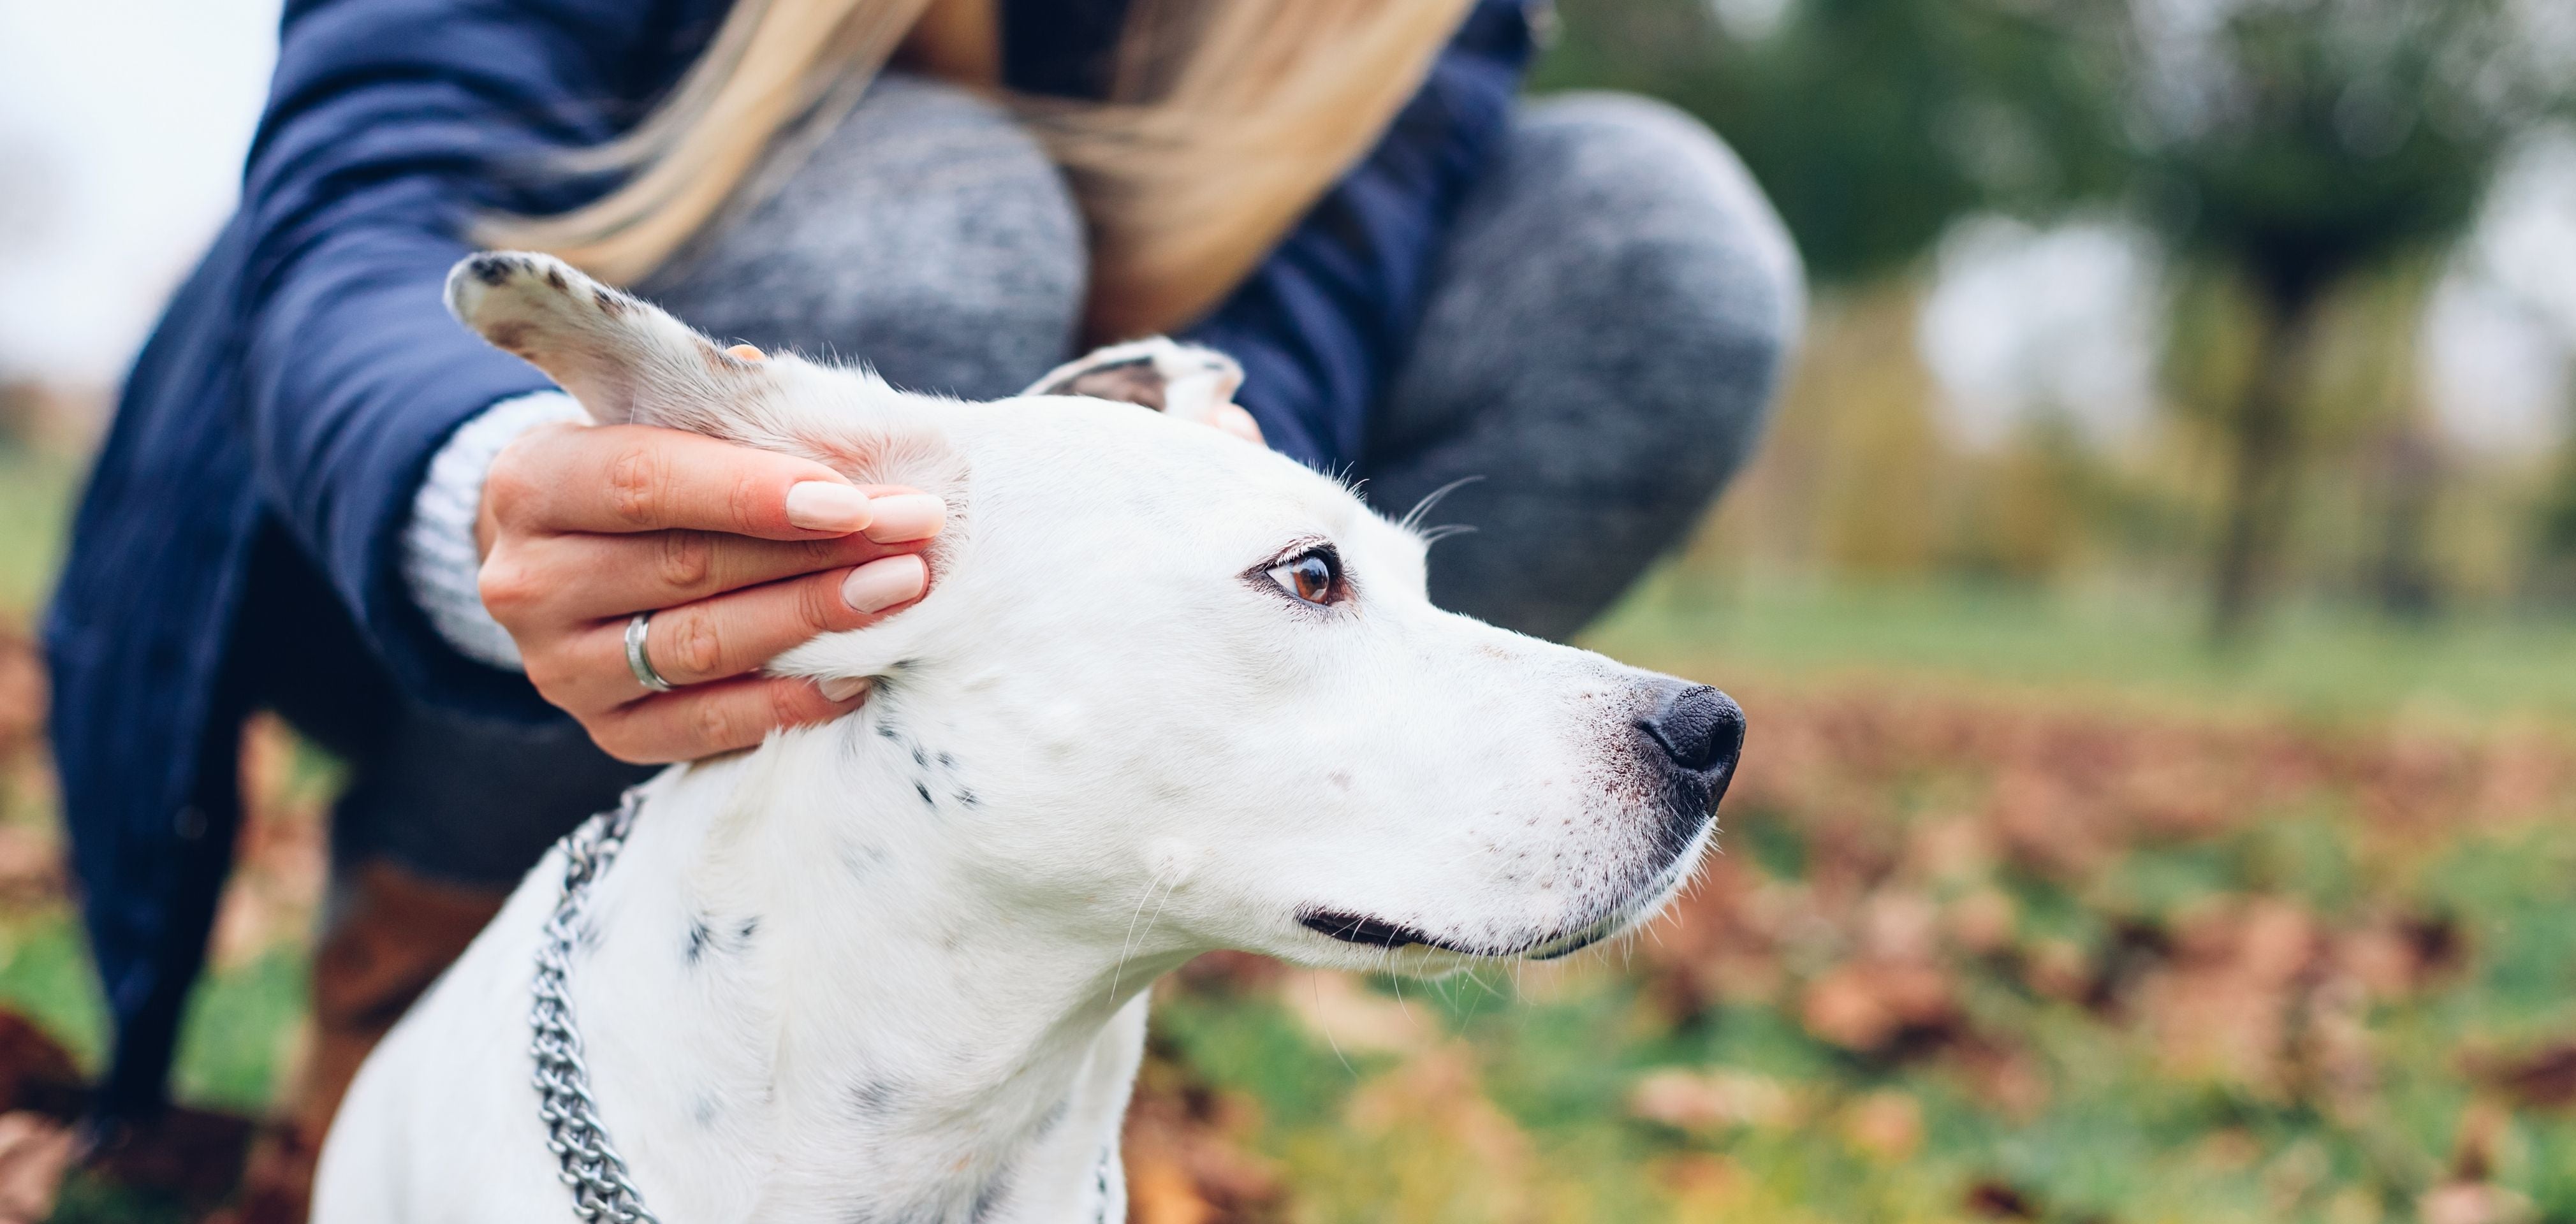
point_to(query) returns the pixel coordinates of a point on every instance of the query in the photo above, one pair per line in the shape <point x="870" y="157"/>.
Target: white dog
<point x="1169" y="692"/>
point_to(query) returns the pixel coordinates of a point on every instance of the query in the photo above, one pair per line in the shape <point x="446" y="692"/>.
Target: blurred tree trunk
<point x="2411" y="470"/>
<point x="2554" y="582"/>
<point x="2264" y="433"/>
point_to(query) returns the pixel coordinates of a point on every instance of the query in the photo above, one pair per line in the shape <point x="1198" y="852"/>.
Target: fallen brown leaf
<point x="1995" y="1200"/>
<point x="1876" y="1008"/>
<point x="1696" y="1101"/>
<point x="1886" y="1124"/>
<point x="2544" y="1078"/>
<point x="37" y="1072"/>
<point x="2473" y="1203"/>
<point x="1185" y="1152"/>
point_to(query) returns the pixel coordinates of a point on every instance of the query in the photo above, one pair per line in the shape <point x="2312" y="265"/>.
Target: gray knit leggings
<point x="1605" y="331"/>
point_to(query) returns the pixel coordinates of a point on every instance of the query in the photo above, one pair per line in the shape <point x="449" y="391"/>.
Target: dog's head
<point x="1157" y="662"/>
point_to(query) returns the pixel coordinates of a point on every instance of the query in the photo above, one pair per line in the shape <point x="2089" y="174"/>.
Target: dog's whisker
<point x="1158" y="909"/>
<point x="1397" y="980"/>
<point x="1324" y="1021"/>
<point x="1127" y="947"/>
<point x="1475" y="1007"/>
<point x="1412" y="520"/>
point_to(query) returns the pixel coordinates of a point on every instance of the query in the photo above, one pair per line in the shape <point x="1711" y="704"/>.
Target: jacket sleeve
<point x="386" y="121"/>
<point x="1321" y="322"/>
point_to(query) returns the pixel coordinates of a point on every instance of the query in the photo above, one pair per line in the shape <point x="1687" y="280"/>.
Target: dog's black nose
<point x="1698" y="727"/>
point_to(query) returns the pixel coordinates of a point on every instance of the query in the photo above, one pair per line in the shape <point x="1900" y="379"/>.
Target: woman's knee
<point x="927" y="233"/>
<point x="1616" y="257"/>
<point x="1651" y="173"/>
<point x="1669" y="256"/>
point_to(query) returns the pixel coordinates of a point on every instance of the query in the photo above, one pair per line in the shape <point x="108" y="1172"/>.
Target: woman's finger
<point x="632" y="478"/>
<point x="729" y="635"/>
<point x="619" y="574"/>
<point x="713" y="718"/>
<point x="726" y="636"/>
<point x="1233" y="419"/>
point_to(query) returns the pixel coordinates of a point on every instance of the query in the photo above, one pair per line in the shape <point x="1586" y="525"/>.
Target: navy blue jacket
<point x="303" y="376"/>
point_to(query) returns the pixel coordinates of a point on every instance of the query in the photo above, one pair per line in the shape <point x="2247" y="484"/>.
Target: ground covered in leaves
<point x="1965" y="959"/>
<point x="1966" y="954"/>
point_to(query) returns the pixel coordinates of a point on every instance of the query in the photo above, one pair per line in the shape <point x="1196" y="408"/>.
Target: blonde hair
<point x="1225" y="121"/>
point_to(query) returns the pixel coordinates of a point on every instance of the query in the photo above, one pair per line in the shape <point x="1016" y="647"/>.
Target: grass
<point x="35" y="518"/>
<point x="45" y="976"/>
<point x="2315" y="661"/>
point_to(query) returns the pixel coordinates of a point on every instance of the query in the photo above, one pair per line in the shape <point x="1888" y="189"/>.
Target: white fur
<point x="893" y="968"/>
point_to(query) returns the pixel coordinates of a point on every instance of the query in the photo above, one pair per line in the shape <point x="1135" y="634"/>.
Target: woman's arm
<point x="1320" y="324"/>
<point x="384" y="124"/>
<point x="388" y="124"/>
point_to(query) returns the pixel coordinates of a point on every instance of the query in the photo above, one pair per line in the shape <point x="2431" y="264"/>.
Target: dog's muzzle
<point x="1688" y="740"/>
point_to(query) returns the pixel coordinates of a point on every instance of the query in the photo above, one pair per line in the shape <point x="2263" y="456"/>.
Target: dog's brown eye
<point x="1315" y="577"/>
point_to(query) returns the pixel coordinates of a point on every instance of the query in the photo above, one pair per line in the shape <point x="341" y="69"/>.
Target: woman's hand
<point x="740" y="553"/>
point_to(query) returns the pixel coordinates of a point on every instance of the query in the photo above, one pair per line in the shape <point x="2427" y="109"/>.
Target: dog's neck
<point x="804" y="1003"/>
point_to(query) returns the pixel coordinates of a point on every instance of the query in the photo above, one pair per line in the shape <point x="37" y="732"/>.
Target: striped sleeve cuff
<point x="440" y="560"/>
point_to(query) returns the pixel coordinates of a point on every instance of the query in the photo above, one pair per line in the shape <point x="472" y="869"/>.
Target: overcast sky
<point x="122" y="126"/>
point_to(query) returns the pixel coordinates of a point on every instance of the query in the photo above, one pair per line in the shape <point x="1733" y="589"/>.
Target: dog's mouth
<point x="1366" y="931"/>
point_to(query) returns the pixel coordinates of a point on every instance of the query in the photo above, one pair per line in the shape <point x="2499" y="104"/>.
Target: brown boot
<point x="395" y="933"/>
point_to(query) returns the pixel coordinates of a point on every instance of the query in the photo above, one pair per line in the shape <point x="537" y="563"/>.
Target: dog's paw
<point x="1177" y="380"/>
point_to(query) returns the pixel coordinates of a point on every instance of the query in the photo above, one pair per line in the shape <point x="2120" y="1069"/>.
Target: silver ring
<point x="636" y="661"/>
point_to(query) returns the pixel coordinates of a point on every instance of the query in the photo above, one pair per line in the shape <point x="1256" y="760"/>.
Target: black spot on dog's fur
<point x="704" y="938"/>
<point x="1100" y="1182"/>
<point x="492" y="269"/>
<point x="555" y="277"/>
<point x="968" y="798"/>
<point x="924" y="791"/>
<point x="610" y="303"/>
<point x="990" y="1197"/>
<point x="875" y="1098"/>
<point x="700" y="935"/>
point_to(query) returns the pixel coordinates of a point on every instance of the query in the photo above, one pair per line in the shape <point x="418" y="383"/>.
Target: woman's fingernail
<point x="841" y="688"/>
<point x="820" y="505"/>
<point x="907" y="516"/>
<point x="883" y="583"/>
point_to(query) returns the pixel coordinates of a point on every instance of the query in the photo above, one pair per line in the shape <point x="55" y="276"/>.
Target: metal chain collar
<point x="594" y="1170"/>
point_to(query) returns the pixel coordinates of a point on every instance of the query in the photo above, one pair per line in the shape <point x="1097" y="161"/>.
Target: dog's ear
<point x="629" y="362"/>
<point x="1177" y="380"/>
<point x="625" y="359"/>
